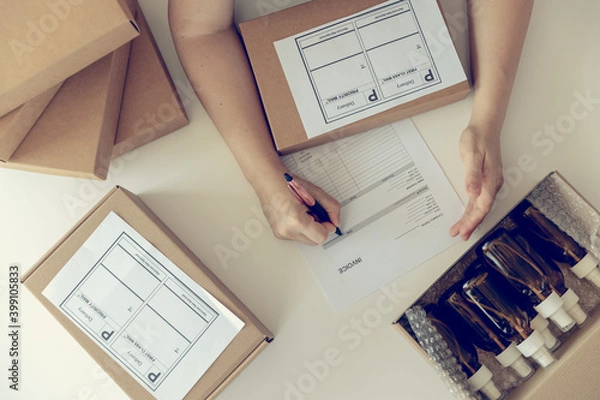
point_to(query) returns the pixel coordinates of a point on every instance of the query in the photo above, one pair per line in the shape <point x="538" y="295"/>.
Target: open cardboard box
<point x="246" y="345"/>
<point x="287" y="127"/>
<point x="574" y="375"/>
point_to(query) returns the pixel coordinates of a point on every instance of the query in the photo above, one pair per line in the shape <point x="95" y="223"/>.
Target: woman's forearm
<point x="497" y="32"/>
<point x="215" y="62"/>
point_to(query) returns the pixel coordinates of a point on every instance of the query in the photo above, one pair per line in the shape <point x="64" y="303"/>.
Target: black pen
<point x="302" y="195"/>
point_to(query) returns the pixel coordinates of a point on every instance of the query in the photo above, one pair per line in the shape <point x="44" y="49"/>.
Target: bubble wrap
<point x="565" y="207"/>
<point x="446" y="365"/>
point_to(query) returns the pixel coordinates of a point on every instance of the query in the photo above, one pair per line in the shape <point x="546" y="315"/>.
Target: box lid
<point x="280" y="107"/>
<point x="245" y="346"/>
<point x="45" y="42"/>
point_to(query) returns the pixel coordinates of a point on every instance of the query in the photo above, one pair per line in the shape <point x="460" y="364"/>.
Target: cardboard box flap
<point x="141" y="218"/>
<point x="47" y="42"/>
<point x="15" y="125"/>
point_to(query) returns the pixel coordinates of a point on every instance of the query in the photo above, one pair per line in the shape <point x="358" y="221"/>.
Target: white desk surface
<point x="192" y="182"/>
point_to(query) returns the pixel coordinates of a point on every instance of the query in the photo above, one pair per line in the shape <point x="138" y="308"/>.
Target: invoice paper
<point x="152" y="319"/>
<point x="397" y="209"/>
<point x="369" y="62"/>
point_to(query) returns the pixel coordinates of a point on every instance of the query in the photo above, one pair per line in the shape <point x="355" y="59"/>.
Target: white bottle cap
<point x="491" y="391"/>
<point x="563" y="320"/>
<point x="482" y="380"/>
<point x="541" y="325"/>
<point x="511" y="357"/>
<point x="572" y="307"/>
<point x="533" y="343"/>
<point x="587" y="268"/>
<point x="552" y="308"/>
<point x="543" y="357"/>
<point x="522" y="368"/>
<point x="594" y="277"/>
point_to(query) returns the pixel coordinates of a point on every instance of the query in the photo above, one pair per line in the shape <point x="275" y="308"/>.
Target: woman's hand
<point x="289" y="219"/>
<point x="480" y="153"/>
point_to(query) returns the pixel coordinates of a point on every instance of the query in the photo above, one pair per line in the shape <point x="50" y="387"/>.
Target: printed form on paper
<point x="159" y="325"/>
<point x="397" y="209"/>
<point x="369" y="62"/>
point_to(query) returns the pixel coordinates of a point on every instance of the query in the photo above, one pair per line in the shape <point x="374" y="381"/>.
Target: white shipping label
<point x="369" y="62"/>
<point x="163" y="328"/>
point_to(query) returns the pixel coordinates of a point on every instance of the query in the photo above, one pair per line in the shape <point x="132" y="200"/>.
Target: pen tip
<point x="287" y="177"/>
<point x="338" y="231"/>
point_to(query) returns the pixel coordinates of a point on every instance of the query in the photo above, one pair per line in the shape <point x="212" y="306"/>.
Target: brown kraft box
<point x="246" y="345"/>
<point x="46" y="41"/>
<point x="284" y="119"/>
<point x="75" y="134"/>
<point x="151" y="107"/>
<point x="15" y="125"/>
<point x="574" y="375"/>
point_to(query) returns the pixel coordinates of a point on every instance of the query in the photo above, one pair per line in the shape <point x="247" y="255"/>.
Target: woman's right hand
<point x="289" y="219"/>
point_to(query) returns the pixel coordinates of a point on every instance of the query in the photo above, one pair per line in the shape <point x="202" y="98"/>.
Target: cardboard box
<point x="287" y="128"/>
<point x="151" y="107"/>
<point x="45" y="42"/>
<point x="75" y="134"/>
<point x="248" y="343"/>
<point x="574" y="375"/>
<point x="15" y="125"/>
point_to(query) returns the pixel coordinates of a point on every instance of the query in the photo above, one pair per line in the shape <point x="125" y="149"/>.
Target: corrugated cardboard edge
<point x="131" y="142"/>
<point x="52" y="76"/>
<point x="212" y="381"/>
<point x="112" y="108"/>
<point x="24" y="118"/>
<point x="282" y="115"/>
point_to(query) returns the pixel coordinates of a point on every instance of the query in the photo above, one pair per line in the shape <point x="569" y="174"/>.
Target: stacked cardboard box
<point x="83" y="102"/>
<point x="245" y="346"/>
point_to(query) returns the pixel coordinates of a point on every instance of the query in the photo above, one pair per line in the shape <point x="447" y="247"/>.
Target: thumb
<point x="474" y="172"/>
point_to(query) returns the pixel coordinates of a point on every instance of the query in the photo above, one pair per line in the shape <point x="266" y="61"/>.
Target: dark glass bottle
<point x="484" y="337"/>
<point x="494" y="298"/>
<point x="511" y="260"/>
<point x="554" y="244"/>
<point x="554" y="274"/>
<point x="536" y="321"/>
<point x="479" y="376"/>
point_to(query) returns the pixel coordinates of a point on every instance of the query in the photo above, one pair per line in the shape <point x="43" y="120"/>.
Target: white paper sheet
<point x="142" y="310"/>
<point x="364" y="64"/>
<point x="397" y="208"/>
